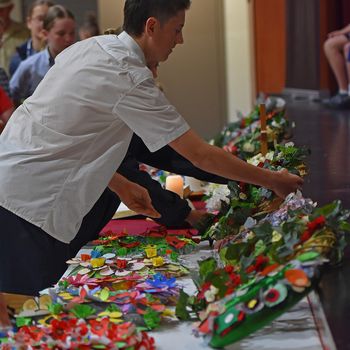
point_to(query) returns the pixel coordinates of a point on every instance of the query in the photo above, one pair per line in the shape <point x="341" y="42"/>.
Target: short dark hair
<point x="90" y="24"/>
<point x="136" y="12"/>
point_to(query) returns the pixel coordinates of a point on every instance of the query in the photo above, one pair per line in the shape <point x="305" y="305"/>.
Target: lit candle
<point x="175" y="183"/>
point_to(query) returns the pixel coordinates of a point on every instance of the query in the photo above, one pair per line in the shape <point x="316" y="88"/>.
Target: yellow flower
<point x="276" y="236"/>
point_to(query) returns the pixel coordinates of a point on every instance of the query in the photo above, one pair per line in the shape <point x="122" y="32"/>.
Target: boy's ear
<point x="150" y="25"/>
<point x="44" y="34"/>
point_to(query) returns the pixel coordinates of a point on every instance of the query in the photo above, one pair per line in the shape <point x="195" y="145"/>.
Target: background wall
<point x="239" y="44"/>
<point x="194" y="75"/>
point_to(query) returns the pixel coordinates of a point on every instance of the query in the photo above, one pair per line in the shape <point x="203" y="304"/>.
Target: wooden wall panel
<point x="270" y="45"/>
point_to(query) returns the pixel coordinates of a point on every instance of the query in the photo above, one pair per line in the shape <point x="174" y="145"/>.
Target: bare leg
<point x="333" y="48"/>
<point x="347" y="62"/>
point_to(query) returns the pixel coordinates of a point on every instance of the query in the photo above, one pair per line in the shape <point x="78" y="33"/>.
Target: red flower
<point x="99" y="327"/>
<point x="147" y="343"/>
<point x="229" y="268"/>
<point x="204" y="288"/>
<point x="60" y="329"/>
<point x="121" y="264"/>
<point x="305" y="236"/>
<point x="30" y="333"/>
<point x="317" y="223"/>
<point x="260" y="263"/>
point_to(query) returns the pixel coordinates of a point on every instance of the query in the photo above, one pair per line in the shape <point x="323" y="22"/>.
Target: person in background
<point x="14" y="34"/>
<point x="4" y="80"/>
<point x="336" y="49"/>
<point x="6" y="108"/>
<point x="89" y="27"/>
<point x="35" y="18"/>
<point x="59" y="33"/>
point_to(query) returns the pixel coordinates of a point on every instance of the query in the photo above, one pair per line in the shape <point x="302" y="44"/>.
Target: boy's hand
<point x="134" y="196"/>
<point x="285" y="183"/>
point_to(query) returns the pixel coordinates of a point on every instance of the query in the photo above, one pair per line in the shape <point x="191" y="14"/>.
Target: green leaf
<point x="82" y="311"/>
<point x="236" y="250"/>
<point x="55" y="308"/>
<point x="104" y="295"/>
<point x="206" y="267"/>
<point x="331" y="209"/>
<point x="344" y="226"/>
<point x="263" y="230"/>
<point x="23" y="321"/>
<point x="151" y="318"/>
<point x="181" y="311"/>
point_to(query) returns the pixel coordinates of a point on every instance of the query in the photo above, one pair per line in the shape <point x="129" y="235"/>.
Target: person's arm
<point x="342" y="31"/>
<point x="215" y="160"/>
<point x="168" y="159"/>
<point x="174" y="210"/>
<point x="133" y="195"/>
<point x="20" y="82"/>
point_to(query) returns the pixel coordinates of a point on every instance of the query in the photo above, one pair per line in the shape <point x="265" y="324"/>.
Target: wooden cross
<point x="263" y="136"/>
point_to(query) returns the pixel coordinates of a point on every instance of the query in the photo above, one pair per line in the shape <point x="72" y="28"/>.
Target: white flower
<point x="248" y="147"/>
<point x="210" y="294"/>
<point x="219" y="194"/>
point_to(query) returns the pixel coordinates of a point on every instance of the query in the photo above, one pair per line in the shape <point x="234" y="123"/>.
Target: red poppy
<point x="60" y="329"/>
<point x="272" y="295"/>
<point x="147" y="343"/>
<point x="99" y="327"/>
<point x="121" y="264"/>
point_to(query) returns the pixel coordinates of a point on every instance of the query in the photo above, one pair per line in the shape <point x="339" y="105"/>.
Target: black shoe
<point x="338" y="101"/>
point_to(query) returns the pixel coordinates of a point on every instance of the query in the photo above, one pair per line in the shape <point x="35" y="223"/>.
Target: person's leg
<point x="346" y="52"/>
<point x="30" y="259"/>
<point x="333" y="48"/>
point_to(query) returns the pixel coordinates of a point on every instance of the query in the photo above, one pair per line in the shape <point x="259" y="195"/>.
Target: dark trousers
<point x="31" y="260"/>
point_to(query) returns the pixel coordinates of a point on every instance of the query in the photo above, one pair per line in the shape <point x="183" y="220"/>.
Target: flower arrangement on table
<point x="242" y="137"/>
<point x="236" y="202"/>
<point x="270" y="256"/>
<point x="270" y="266"/>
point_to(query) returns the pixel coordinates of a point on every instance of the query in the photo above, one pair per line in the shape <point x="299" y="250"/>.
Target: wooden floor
<point x="327" y="134"/>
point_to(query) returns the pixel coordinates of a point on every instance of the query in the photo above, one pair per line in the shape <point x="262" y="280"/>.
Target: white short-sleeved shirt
<point x="60" y="149"/>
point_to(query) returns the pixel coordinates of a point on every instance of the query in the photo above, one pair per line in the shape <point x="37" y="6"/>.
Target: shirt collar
<point x="132" y="45"/>
<point x="48" y="56"/>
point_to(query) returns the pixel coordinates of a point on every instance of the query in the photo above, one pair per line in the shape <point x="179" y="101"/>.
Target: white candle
<point x="175" y="184"/>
